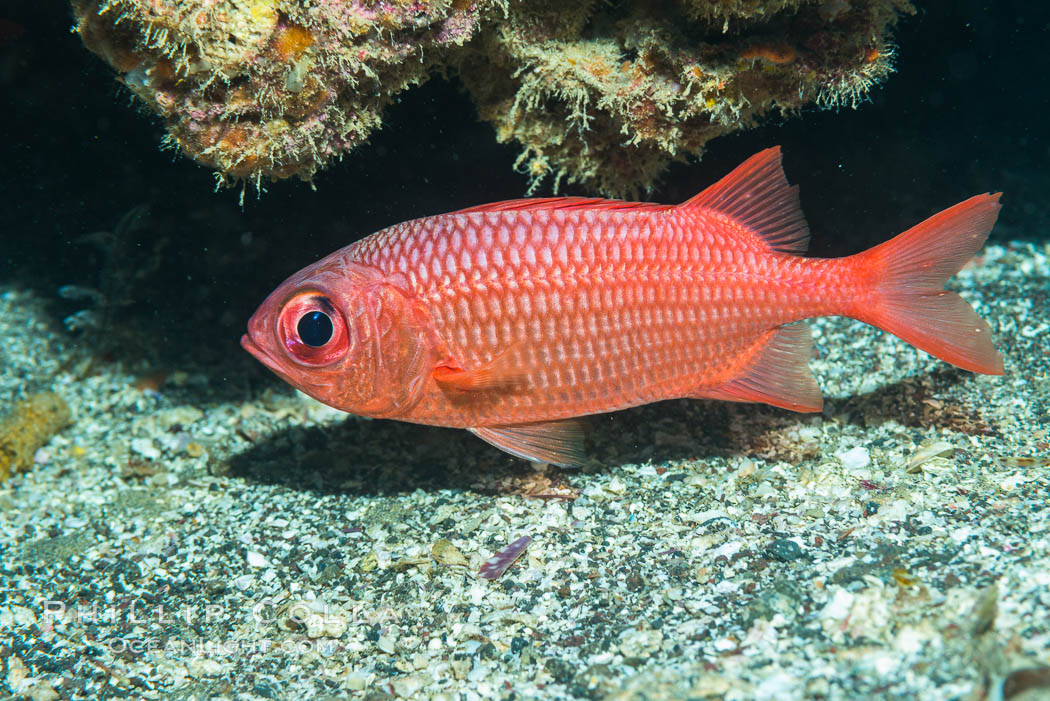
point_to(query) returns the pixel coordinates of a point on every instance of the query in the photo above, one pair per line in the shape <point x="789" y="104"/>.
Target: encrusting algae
<point x="31" y="424"/>
<point x="601" y="94"/>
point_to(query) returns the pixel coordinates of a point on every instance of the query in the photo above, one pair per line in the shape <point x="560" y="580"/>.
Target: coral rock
<point x="28" y="427"/>
<point x="602" y="94"/>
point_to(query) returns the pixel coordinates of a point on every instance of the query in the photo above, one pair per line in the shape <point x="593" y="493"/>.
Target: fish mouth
<point x="261" y="355"/>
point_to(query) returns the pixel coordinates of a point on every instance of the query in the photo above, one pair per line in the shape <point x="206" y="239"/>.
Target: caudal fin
<point x="909" y="299"/>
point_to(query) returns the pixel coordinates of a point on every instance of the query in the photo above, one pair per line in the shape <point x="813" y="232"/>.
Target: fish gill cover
<point x="601" y="94"/>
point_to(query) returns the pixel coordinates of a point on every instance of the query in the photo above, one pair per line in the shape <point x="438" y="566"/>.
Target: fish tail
<point x="907" y="296"/>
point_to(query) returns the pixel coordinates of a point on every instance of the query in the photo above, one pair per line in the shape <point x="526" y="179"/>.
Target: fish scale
<point x="570" y="283"/>
<point x="514" y="318"/>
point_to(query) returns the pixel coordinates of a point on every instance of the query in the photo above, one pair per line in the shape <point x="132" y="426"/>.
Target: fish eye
<point x="312" y="330"/>
<point x="315" y="328"/>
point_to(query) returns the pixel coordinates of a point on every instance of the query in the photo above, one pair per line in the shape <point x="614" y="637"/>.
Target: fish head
<point x="347" y="335"/>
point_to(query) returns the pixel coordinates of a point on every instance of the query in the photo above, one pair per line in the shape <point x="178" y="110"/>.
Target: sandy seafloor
<point x="251" y="543"/>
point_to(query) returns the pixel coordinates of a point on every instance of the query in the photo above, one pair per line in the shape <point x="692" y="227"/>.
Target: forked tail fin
<point x="909" y="299"/>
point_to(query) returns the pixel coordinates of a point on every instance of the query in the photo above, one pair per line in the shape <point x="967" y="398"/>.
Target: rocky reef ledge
<point x="599" y="94"/>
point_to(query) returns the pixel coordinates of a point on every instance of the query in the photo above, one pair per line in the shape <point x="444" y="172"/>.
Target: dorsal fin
<point x="779" y="376"/>
<point x="577" y="203"/>
<point x="757" y="195"/>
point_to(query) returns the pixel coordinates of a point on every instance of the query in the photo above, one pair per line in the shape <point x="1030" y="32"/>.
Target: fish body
<point x="514" y="318"/>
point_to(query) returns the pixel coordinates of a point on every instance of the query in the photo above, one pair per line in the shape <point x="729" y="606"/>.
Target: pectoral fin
<point x="554" y="442"/>
<point x="502" y="372"/>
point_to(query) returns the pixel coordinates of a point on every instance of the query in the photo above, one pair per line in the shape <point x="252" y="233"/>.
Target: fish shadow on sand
<point x="933" y="400"/>
<point x="361" y="456"/>
<point x="365" y="457"/>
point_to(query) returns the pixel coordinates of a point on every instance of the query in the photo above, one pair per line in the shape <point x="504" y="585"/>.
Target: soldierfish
<point x="512" y="319"/>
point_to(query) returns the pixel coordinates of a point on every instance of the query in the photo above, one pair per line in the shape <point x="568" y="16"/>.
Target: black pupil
<point x="315" y="329"/>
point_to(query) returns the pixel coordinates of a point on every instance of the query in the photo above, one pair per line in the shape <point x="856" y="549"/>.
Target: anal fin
<point x="780" y="375"/>
<point x="554" y="442"/>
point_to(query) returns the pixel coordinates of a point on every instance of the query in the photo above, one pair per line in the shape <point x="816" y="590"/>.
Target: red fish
<point x="513" y="318"/>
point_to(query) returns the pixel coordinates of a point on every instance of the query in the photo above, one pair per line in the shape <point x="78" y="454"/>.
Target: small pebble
<point x="386" y="644"/>
<point x="445" y="553"/>
<point x="854" y="458"/>
<point x="145" y="448"/>
<point x="928" y="452"/>
<point x="784" y="550"/>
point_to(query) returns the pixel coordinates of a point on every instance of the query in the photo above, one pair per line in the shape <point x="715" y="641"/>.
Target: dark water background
<point x="966" y="112"/>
